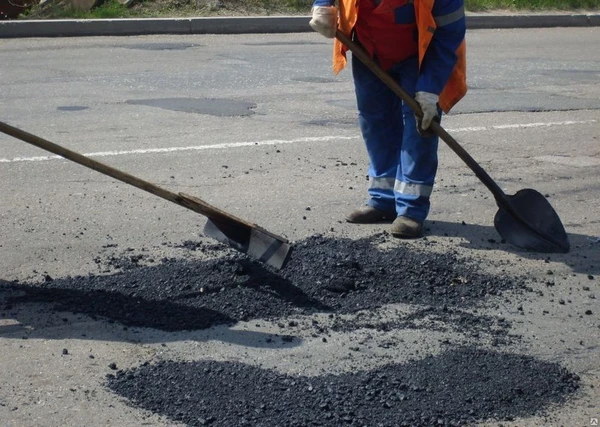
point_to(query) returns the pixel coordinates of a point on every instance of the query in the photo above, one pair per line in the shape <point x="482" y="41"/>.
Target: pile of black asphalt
<point x="325" y="275"/>
<point x="456" y="388"/>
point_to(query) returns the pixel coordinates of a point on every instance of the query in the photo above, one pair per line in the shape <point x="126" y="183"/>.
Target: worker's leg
<point x="380" y="120"/>
<point x="418" y="157"/>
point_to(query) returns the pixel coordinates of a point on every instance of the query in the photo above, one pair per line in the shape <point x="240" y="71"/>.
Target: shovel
<point x="526" y="219"/>
<point x="243" y="236"/>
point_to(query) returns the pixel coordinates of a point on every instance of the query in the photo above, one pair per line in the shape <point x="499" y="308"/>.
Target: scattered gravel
<point x="324" y="275"/>
<point x="458" y="387"/>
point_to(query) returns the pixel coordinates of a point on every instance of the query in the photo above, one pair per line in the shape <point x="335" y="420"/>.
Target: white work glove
<point x="324" y="20"/>
<point x="428" y="102"/>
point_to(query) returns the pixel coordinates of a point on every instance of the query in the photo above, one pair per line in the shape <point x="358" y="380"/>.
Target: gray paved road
<point x="259" y="126"/>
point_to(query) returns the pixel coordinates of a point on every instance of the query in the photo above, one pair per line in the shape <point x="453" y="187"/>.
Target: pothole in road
<point x="213" y="107"/>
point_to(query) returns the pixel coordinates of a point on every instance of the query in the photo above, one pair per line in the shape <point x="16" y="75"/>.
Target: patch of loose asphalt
<point x="463" y="384"/>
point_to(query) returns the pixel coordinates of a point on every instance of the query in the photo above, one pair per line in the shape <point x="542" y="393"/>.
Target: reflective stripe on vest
<point x="450" y="18"/>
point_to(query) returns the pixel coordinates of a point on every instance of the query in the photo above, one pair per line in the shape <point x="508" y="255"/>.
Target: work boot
<point x="368" y="215"/>
<point x="407" y="228"/>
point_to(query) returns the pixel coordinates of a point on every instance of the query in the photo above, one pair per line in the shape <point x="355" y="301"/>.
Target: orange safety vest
<point x="455" y="88"/>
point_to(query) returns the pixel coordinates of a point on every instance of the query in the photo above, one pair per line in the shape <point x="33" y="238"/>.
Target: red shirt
<point x="388" y="31"/>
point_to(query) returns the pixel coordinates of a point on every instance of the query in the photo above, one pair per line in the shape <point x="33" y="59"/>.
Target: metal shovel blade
<point x="253" y="241"/>
<point x="527" y="220"/>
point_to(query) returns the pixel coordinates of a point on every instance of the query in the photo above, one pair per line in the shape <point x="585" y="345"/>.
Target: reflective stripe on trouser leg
<point x="418" y="157"/>
<point x="380" y="120"/>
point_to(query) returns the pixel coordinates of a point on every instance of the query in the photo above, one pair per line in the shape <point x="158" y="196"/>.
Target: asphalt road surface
<point x="258" y="126"/>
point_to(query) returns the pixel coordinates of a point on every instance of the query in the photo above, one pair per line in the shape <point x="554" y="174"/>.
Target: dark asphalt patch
<point x="458" y="387"/>
<point x="324" y="275"/>
<point x="72" y="108"/>
<point x="328" y="275"/>
<point x="213" y="107"/>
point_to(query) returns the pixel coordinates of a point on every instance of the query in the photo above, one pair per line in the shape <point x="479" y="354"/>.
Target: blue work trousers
<point x="403" y="164"/>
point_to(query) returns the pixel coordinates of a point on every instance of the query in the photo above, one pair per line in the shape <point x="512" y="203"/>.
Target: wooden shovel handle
<point x="189" y="202"/>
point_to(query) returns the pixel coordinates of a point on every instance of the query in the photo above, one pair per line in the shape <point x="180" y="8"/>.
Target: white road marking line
<point x="282" y="141"/>
<point x="192" y="148"/>
<point x="521" y="126"/>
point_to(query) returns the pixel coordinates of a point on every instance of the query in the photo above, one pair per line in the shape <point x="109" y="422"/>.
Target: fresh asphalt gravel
<point x="459" y="386"/>
<point x="325" y="274"/>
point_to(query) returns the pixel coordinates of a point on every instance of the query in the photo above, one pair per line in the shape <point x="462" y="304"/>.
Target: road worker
<point x="420" y="43"/>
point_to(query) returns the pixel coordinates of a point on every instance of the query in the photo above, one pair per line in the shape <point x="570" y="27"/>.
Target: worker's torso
<point x="387" y="29"/>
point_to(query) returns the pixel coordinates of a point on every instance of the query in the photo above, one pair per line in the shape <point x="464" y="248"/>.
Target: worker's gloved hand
<point x="428" y="102"/>
<point x="324" y="20"/>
